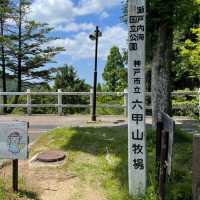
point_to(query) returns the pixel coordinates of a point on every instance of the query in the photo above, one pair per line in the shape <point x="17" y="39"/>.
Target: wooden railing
<point x="59" y="94"/>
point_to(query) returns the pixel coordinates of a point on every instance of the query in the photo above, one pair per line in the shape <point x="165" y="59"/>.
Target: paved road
<point x="40" y="124"/>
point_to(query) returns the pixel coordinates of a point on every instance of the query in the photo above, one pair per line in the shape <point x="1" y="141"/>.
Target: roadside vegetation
<point x="7" y="194"/>
<point x="98" y="157"/>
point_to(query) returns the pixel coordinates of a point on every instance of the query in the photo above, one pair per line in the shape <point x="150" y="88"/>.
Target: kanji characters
<point x="137" y="103"/>
<point x="133" y="46"/>
<point x="137" y="118"/>
<point x="138" y="164"/>
<point x="137" y="135"/>
<point x="137" y="149"/>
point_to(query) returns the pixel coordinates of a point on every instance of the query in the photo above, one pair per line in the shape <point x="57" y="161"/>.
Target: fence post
<point x="159" y="129"/>
<point x="196" y="167"/>
<point x="29" y="109"/>
<point x="126" y="102"/>
<point x="91" y="100"/>
<point x="59" y="102"/>
<point x="163" y="166"/>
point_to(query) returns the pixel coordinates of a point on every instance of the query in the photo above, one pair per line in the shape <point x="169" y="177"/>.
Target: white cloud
<point x="61" y="14"/>
<point x="57" y="12"/>
<point x="74" y="27"/>
<point x="53" y="11"/>
<point x="104" y="15"/>
<point x="80" y="46"/>
<point x="95" y="6"/>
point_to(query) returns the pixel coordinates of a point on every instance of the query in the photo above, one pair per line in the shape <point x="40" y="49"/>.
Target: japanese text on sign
<point x="136" y="91"/>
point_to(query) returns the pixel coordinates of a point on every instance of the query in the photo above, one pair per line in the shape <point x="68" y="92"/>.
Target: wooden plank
<point x="15" y="175"/>
<point x="163" y="167"/>
<point x="169" y="126"/>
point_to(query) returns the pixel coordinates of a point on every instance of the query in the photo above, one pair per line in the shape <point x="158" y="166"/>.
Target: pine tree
<point x="29" y="50"/>
<point x="4" y="15"/>
<point x="115" y="73"/>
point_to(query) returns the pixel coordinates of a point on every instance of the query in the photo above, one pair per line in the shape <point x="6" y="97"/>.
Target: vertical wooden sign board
<point x="136" y="98"/>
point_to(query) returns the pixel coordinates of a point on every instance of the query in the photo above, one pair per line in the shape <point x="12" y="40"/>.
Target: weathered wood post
<point x="59" y="102"/>
<point x="29" y="109"/>
<point x="136" y="98"/>
<point x="15" y="175"/>
<point x="163" y="164"/>
<point x="91" y="101"/>
<point x="159" y="129"/>
<point x="164" y="150"/>
<point x="196" y="167"/>
<point x="125" y="102"/>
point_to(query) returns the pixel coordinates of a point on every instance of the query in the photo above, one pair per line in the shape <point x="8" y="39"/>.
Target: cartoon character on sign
<point x="14" y="143"/>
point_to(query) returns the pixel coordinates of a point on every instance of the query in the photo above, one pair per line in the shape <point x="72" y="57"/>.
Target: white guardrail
<point x="60" y="104"/>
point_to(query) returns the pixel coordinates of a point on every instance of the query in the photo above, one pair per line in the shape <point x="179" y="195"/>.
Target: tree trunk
<point x="161" y="67"/>
<point x="20" y="49"/>
<point x="3" y="63"/>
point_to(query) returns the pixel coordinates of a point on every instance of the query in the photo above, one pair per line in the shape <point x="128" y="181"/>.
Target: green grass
<point x="99" y="157"/>
<point x="23" y="194"/>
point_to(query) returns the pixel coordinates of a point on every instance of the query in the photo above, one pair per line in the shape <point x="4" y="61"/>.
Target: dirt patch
<point x="90" y="194"/>
<point x="51" y="183"/>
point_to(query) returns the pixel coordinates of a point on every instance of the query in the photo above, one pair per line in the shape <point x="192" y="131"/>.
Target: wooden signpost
<point x="14" y="145"/>
<point x="164" y="146"/>
<point x="136" y="98"/>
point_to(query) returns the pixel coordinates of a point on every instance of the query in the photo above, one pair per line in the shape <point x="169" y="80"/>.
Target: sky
<point x="73" y="21"/>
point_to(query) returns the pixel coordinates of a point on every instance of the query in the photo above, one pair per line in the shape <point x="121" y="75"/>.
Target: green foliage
<point x="186" y="105"/>
<point x="43" y="100"/>
<point x="68" y="80"/>
<point x="36" y="99"/>
<point x="111" y="101"/>
<point x="180" y="183"/>
<point x="190" y="53"/>
<point x="115" y="73"/>
<point x="181" y="16"/>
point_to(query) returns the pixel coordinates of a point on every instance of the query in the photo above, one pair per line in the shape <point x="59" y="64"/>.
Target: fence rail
<point x="59" y="105"/>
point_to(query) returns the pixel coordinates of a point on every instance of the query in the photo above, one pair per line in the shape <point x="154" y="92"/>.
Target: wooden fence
<point x="59" y="94"/>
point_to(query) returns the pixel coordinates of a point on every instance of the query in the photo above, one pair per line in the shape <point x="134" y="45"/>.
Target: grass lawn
<point x="99" y="158"/>
<point x="7" y="194"/>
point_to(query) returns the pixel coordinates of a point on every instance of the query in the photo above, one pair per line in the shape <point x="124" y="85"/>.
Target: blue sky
<point x="73" y="21"/>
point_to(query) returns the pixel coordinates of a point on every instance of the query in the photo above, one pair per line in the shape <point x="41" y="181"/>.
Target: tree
<point x="163" y="19"/>
<point x="115" y="73"/>
<point x="190" y="53"/>
<point x="4" y="15"/>
<point x="68" y="80"/>
<point x="186" y="68"/>
<point x="29" y="50"/>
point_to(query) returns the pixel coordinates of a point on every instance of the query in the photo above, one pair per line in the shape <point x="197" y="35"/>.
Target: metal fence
<point x="59" y="105"/>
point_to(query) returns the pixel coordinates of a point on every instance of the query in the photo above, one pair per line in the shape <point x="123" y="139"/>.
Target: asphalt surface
<point x="40" y="124"/>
